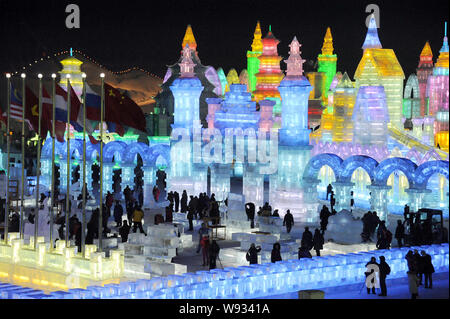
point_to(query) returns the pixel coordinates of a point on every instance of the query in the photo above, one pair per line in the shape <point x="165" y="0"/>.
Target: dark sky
<point x="148" y="34"/>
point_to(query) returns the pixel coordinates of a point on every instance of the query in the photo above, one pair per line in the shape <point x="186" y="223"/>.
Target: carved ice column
<point x="342" y="192"/>
<point x="253" y="185"/>
<point x="416" y="198"/>
<point x="379" y="200"/>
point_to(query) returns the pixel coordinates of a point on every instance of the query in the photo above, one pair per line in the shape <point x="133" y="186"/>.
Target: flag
<point x="32" y="113"/>
<point x="15" y="108"/>
<point x="61" y="107"/>
<point x="129" y="113"/>
<point x="93" y="104"/>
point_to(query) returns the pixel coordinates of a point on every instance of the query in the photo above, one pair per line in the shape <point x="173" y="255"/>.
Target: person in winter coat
<point x="428" y="269"/>
<point x="190" y="217"/>
<point x="138" y="216"/>
<point x="169" y="214"/>
<point x="307" y="239"/>
<point x="250" y="211"/>
<point x="176" y="198"/>
<point x="288" y="221"/>
<point x="318" y="241"/>
<point x="324" y="215"/>
<point x="184" y="201"/>
<point x="372" y="261"/>
<point x="399" y="233"/>
<point x="413" y="280"/>
<point x="118" y="212"/>
<point x="384" y="271"/>
<point x="124" y="231"/>
<point x="204" y="243"/>
<point x="276" y="253"/>
<point x="214" y="250"/>
<point x="252" y="254"/>
<point x="303" y="252"/>
<point x="203" y="231"/>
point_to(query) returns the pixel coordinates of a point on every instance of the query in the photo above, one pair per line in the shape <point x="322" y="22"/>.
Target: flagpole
<point x="21" y="230"/>
<point x="52" y="202"/>
<point x="38" y="166"/>
<point x="100" y="217"/>
<point x="83" y="227"/>
<point x="69" y="170"/>
<point x="8" y="143"/>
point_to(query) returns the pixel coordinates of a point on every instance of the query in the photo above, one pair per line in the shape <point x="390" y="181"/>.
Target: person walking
<point x="373" y="282"/>
<point x="250" y="211"/>
<point x="399" y="233"/>
<point x="118" y="212"/>
<point x="124" y="231"/>
<point x="318" y="241"/>
<point x="428" y="269"/>
<point x="384" y="271"/>
<point x="204" y="243"/>
<point x="184" y="201"/>
<point x="190" y="217"/>
<point x="329" y="190"/>
<point x="176" y="198"/>
<point x="138" y="216"/>
<point x="288" y="221"/>
<point x="203" y="231"/>
<point x="307" y="239"/>
<point x="324" y="215"/>
<point x="214" y="250"/>
<point x="252" y="254"/>
<point x="276" y="253"/>
<point x="413" y="280"/>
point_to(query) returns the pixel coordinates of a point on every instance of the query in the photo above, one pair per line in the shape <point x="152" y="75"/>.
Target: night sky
<point x="148" y="34"/>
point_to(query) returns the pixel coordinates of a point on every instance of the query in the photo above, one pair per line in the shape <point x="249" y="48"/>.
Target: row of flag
<point x="120" y="111"/>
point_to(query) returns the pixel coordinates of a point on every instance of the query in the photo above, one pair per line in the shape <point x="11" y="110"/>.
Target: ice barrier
<point x="255" y="281"/>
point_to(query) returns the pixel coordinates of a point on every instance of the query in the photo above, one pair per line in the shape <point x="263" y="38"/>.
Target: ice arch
<point x="133" y="149"/>
<point x="388" y="166"/>
<point x="317" y="162"/>
<point x="350" y="164"/>
<point x="158" y="150"/>
<point x="114" y="148"/>
<point x="428" y="169"/>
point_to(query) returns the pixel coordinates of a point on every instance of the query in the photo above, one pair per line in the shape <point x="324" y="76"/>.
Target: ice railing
<point x="61" y="261"/>
<point x="260" y="280"/>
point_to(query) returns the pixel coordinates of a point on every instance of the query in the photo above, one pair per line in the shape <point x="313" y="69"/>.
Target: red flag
<point x="129" y="113"/>
<point x="32" y="113"/>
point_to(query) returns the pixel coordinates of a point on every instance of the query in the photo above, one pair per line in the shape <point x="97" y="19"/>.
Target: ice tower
<point x="184" y="174"/>
<point x="286" y="187"/>
<point x="343" y="103"/>
<point x="327" y="62"/>
<point x="424" y="70"/>
<point x="252" y="58"/>
<point x="269" y="75"/>
<point x="438" y="94"/>
<point x="72" y="66"/>
<point x="380" y="67"/>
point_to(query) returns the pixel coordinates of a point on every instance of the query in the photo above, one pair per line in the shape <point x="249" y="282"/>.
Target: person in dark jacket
<point x="250" y="211"/>
<point x="176" y="198"/>
<point x="372" y="261"/>
<point x="276" y="253"/>
<point x="399" y="233"/>
<point x="428" y="269"/>
<point x="214" y="250"/>
<point x="318" y="241"/>
<point x="307" y="239"/>
<point x="252" y="254"/>
<point x="413" y="281"/>
<point x="169" y="214"/>
<point x="329" y="190"/>
<point x="190" y="217"/>
<point x="303" y="252"/>
<point x="420" y="265"/>
<point x="288" y="221"/>
<point x="384" y="271"/>
<point x="118" y="212"/>
<point x="324" y="215"/>
<point x="184" y="202"/>
<point x="275" y="213"/>
<point x="124" y="231"/>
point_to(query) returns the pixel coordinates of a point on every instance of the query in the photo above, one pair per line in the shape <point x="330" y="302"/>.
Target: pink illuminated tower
<point x="424" y="70"/>
<point x="438" y="91"/>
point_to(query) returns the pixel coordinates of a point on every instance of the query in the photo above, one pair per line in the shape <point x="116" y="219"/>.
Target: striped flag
<point x="15" y="108"/>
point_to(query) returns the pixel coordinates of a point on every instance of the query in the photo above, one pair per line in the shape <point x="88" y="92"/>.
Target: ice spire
<point x="257" y="43"/>
<point x="372" y="41"/>
<point x="327" y="48"/>
<point x="187" y="65"/>
<point x="295" y="61"/>
<point x="189" y="39"/>
<point x="443" y="59"/>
